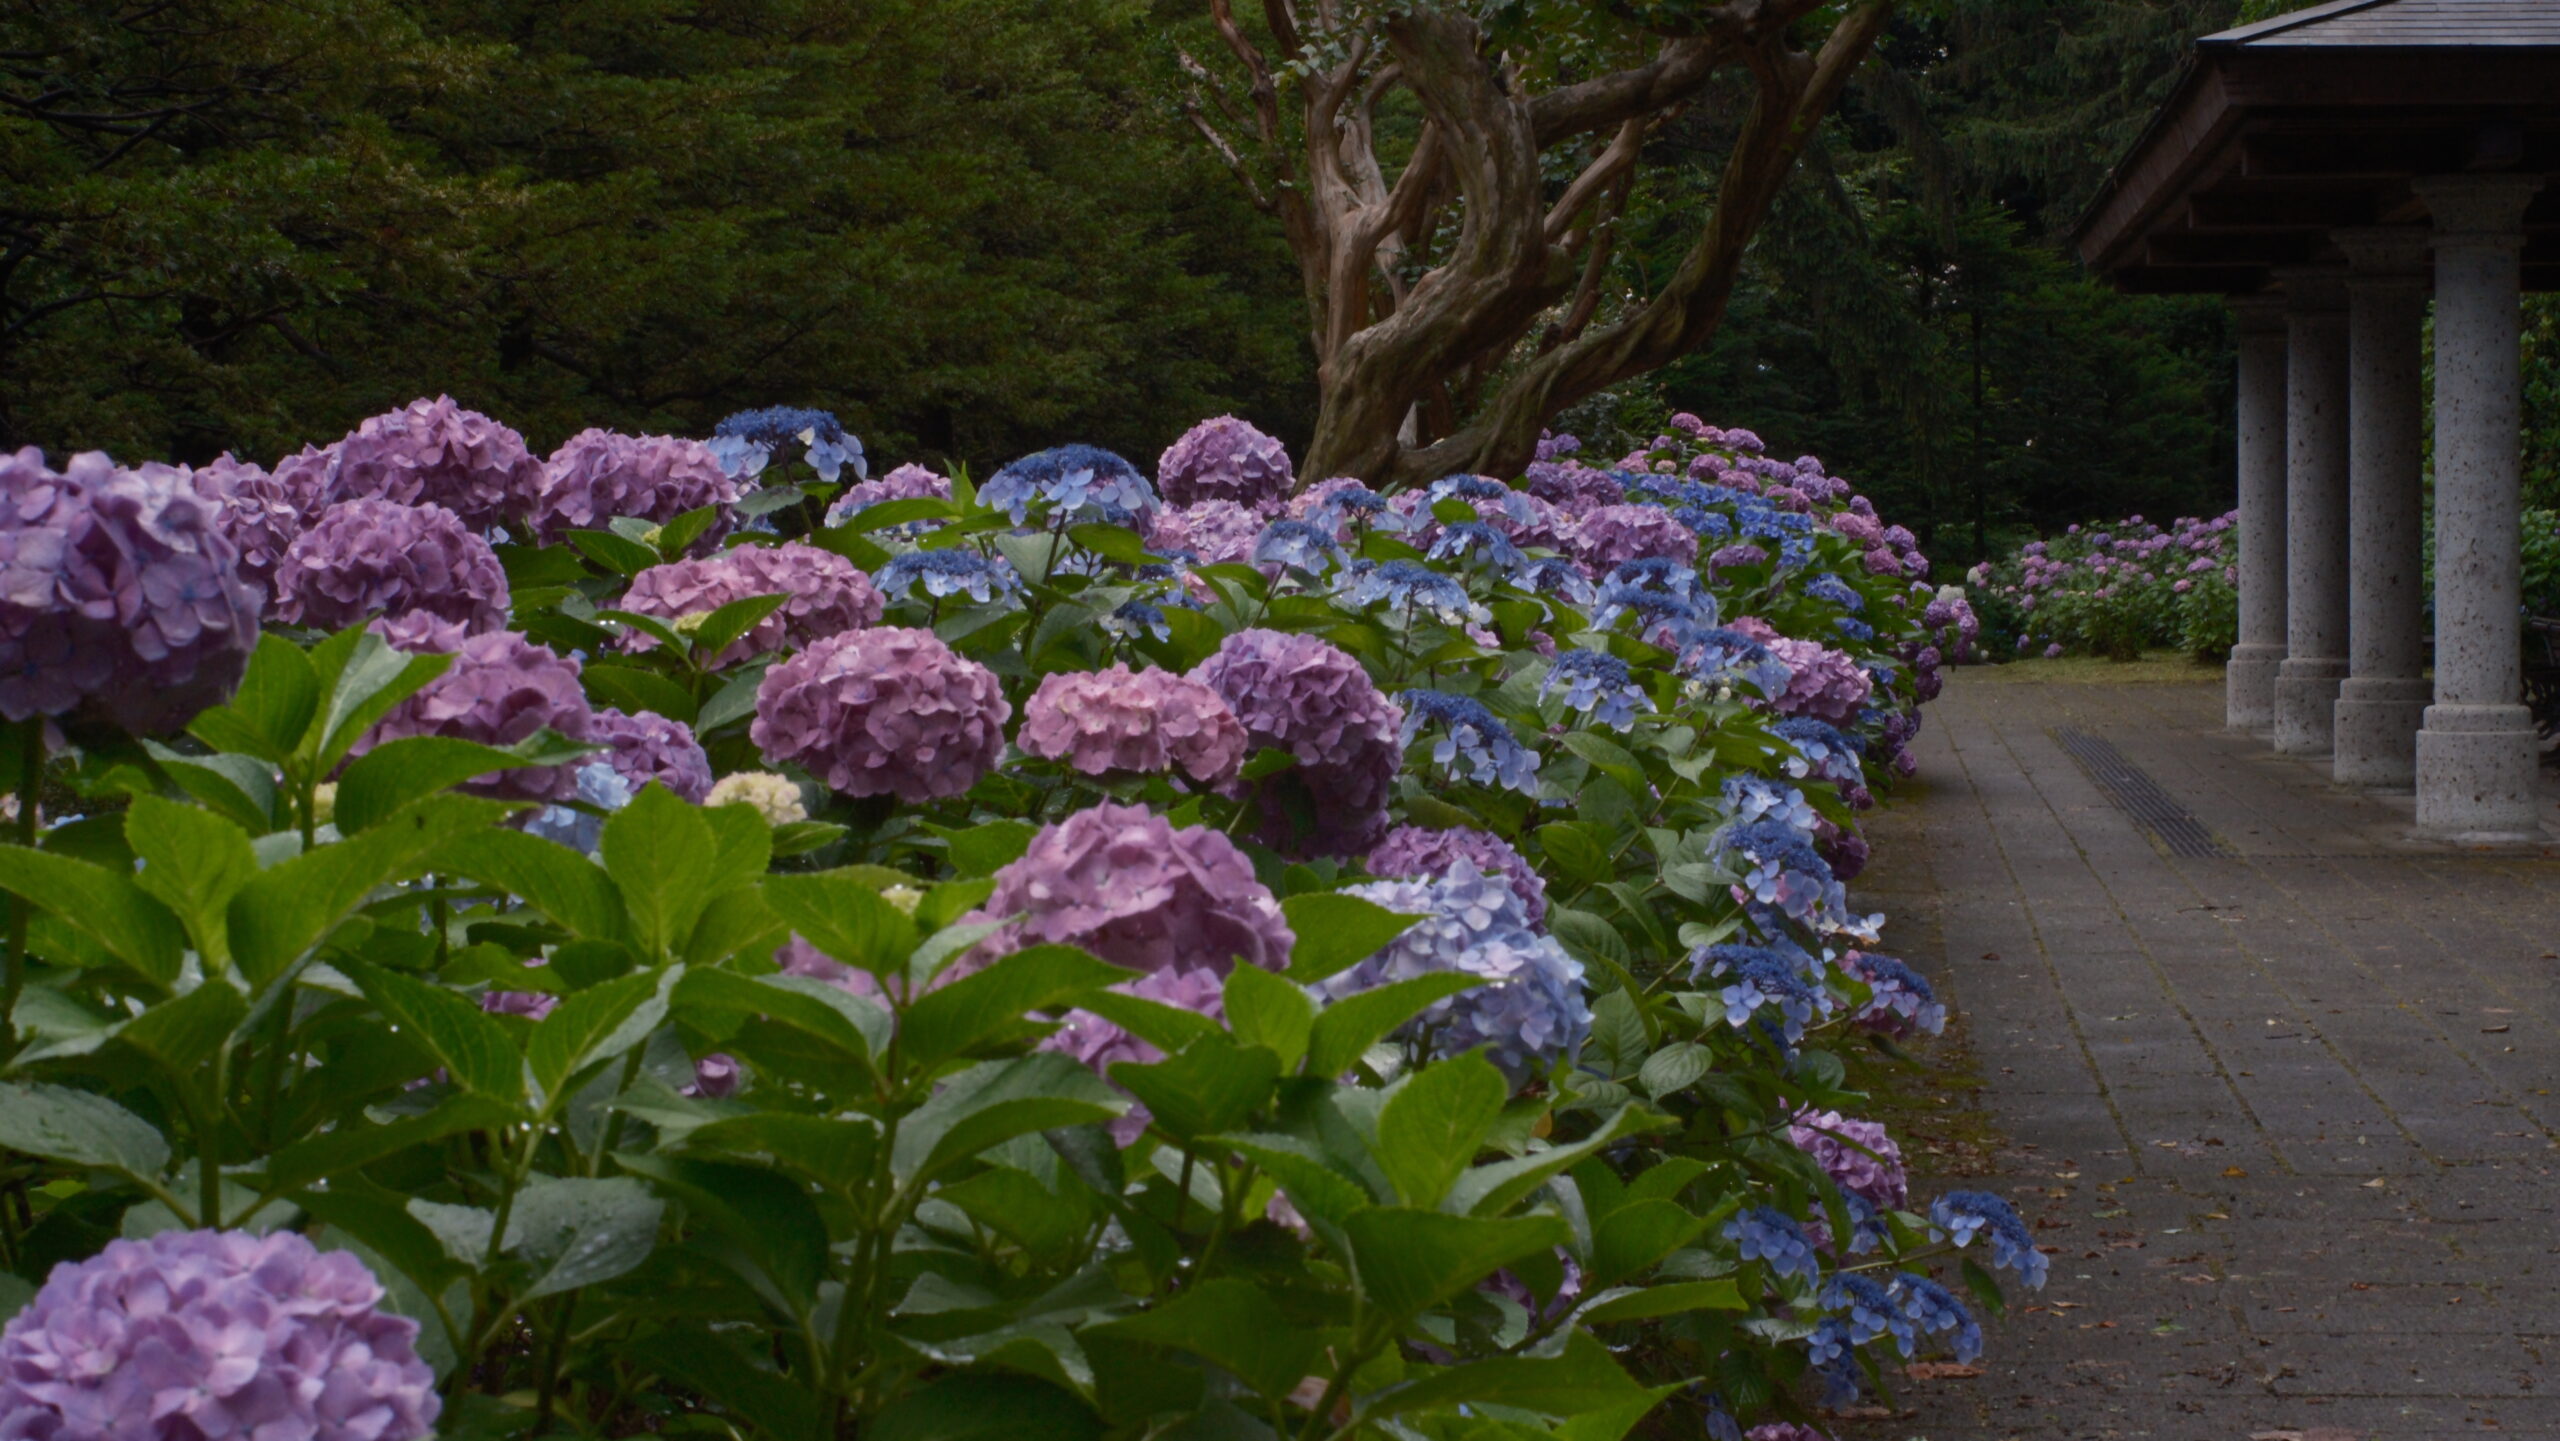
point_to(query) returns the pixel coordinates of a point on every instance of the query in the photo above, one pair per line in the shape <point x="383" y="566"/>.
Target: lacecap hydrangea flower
<point x="1764" y="1233"/>
<point x="500" y="689"/>
<point x="1529" y="1015"/>
<point x="120" y="597"/>
<point x="1859" y="1156"/>
<point x="1342" y="506"/>
<point x="1149" y="722"/>
<point x="434" y="452"/>
<point x="745" y="443"/>
<point x="1419" y="852"/>
<point x="1298" y="545"/>
<point x="1409" y="590"/>
<point x="1314" y="700"/>
<point x="1757" y="976"/>
<point x="1078" y="482"/>
<point x="597" y="475"/>
<point x="1225" y="459"/>
<point x="1596" y="685"/>
<point x="206" y="1335"/>
<point x="1961" y="1215"/>
<point x="1904" y="1003"/>
<point x="647" y="746"/>
<point x="1138" y="891"/>
<point x="890" y="711"/>
<point x="938" y="575"/>
<point x="1471" y="742"/>
<point x="381" y="557"/>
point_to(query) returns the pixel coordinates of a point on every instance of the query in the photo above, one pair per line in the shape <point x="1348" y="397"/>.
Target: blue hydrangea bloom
<point x="1767" y="1234"/>
<point x="1830" y="587"/>
<point x="1782" y="870"/>
<point x="1903" y="1000"/>
<point x="1933" y="1309"/>
<point x="1871" y="1310"/>
<point x="1962" y="1215"/>
<point x="1663" y="618"/>
<point x="1355" y="500"/>
<point x="1598" y="685"/>
<point x="1529" y="1015"/>
<point x="1855" y="629"/>
<point x="1479" y="487"/>
<point x="1299" y="546"/>
<point x="1715" y="659"/>
<point x="1135" y="618"/>
<point x="1767" y="522"/>
<point x="1548" y="575"/>
<point x="1705" y="524"/>
<point x="1719" y="1422"/>
<point x="942" y="574"/>
<point x="599" y="785"/>
<point x="745" y="443"/>
<point x="1473" y="541"/>
<point x="1757" y="798"/>
<point x="1867" y="1228"/>
<point x="1474" y="744"/>
<point x="1757" y="976"/>
<point x="1822" y="752"/>
<point x="1842" y="1382"/>
<point x="1410" y="587"/>
<point x="1080" y="482"/>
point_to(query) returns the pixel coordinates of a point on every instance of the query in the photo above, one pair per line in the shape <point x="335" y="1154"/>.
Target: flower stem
<point x="13" y="979"/>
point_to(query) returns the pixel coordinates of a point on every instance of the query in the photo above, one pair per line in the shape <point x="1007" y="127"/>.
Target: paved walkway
<point x="2278" y="1084"/>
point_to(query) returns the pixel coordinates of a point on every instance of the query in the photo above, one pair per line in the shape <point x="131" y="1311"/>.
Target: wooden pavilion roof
<point x="2283" y="131"/>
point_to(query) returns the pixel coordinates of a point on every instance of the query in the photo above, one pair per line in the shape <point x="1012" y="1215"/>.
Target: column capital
<point x="2313" y="289"/>
<point x="2258" y="316"/>
<point x="2478" y="210"/>
<point x="2383" y="253"/>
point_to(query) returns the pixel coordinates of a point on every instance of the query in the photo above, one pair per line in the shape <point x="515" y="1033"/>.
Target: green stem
<point x="13" y="980"/>
<point x="547" y="1391"/>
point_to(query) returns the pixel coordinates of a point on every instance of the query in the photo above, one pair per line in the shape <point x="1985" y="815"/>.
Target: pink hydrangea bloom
<point x="369" y="557"/>
<point x="1423" y="853"/>
<point x="597" y="475"/>
<point x="907" y="482"/>
<point x="1822" y="683"/>
<point x="1572" y="487"/>
<point x="1134" y="889"/>
<point x="1615" y="534"/>
<point x="828" y="594"/>
<point x="890" y="711"/>
<point x="1225" y="459"/>
<point x="1217" y="531"/>
<point x="1857" y="1155"/>
<point x="1148" y="722"/>
<point x="434" y="452"/>
<point x="416" y="631"/>
<point x="307" y="476"/>
<point x="1312" y="699"/>
<point x="1100" y="1044"/>
<point x="501" y="689"/>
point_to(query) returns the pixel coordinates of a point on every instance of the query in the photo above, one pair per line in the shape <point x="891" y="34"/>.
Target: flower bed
<point x="2116" y="591"/>
<point x="684" y="937"/>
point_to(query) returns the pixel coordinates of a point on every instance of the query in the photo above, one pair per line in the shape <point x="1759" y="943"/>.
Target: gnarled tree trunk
<point x="1455" y="310"/>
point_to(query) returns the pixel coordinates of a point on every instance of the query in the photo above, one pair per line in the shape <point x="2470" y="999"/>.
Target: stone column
<point x="2249" y="681"/>
<point x="2315" y="531"/>
<point x="2476" y="754"/>
<point x="2385" y="696"/>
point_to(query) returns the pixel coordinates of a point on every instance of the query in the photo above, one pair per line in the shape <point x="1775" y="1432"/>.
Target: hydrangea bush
<point x="2116" y="591"/>
<point x="687" y="938"/>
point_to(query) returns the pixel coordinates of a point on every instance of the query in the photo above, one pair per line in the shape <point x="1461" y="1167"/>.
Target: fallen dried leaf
<point x="2374" y="1185"/>
<point x="2232" y="1171"/>
<point x="1940" y="1371"/>
<point x="2498" y="1030"/>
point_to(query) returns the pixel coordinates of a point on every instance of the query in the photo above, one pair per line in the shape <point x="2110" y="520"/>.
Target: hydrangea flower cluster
<point x="1216" y="530"/>
<point x="1299" y="546"/>
<point x="1823" y="683"/>
<point x="1962" y="1215"/>
<point x="1529" y="1015"/>
<point x="1766" y="1234"/>
<point x="1299" y="694"/>
<point x="1904" y="1003"/>
<point x="1418" y="852"/>
<point x="597" y="475"/>
<point x="889" y="711"/>
<point x="1478" y="544"/>
<point x="745" y="443"/>
<point x="1138" y="891"/>
<point x="500" y="689"/>
<point x="942" y="574"/>
<point x="599" y="785"/>
<point x="256" y="512"/>
<point x="209" y="1334"/>
<point x="1597" y="685"/>
<point x="1868" y="1307"/>
<point x="1150" y="722"/>
<point x="1783" y="871"/>
<point x="1757" y="798"/>
<point x="120" y="597"/>
<point x="907" y="482"/>
<point x="1823" y="753"/>
<point x="2112" y="591"/>
<point x="1609" y="537"/>
<point x="1078" y="482"/>
<point x="381" y="557"/>
<point x="1558" y="577"/>
<point x="1858" y="1156"/>
<point x="435" y="453"/>
<point x="774" y="797"/>
<point x="1757" y="976"/>
<point x="1473" y="744"/>
<point x="1934" y="1310"/>
<point x="1100" y="1044"/>
<point x="827" y="595"/>
<point x="647" y="746"/>
<point x="1409" y="589"/>
<point x="1225" y="459"/>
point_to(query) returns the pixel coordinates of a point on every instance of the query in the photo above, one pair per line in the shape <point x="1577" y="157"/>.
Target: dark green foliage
<point x="241" y="223"/>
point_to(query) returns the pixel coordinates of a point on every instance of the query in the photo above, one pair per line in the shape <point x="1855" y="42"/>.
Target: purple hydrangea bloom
<point x="1138" y="891"/>
<point x="1857" y="1155"/>
<point x="890" y="711"/>
<point x="307" y="476"/>
<point x="1225" y="459"/>
<point x="120" y="597"/>
<point x="381" y="557"/>
<point x="1340" y="504"/>
<point x="1148" y="722"/>
<point x="1574" y="488"/>
<point x="1216" y="530"/>
<point x="417" y="632"/>
<point x="500" y="689"/>
<point x="1529" y="1015"/>
<point x="647" y="746"/>
<point x="1101" y="1044"/>
<point x="1312" y="699"/>
<point x="1297" y="545"/>
<point x="1615" y="534"/>
<point x="1785" y="1431"/>
<point x="435" y="453"/>
<point x="597" y="475"/>
<point x="1421" y="852"/>
<point x="907" y="482"/>
<point x="828" y="594"/>
<point x="1823" y="683"/>
<point x="197" y="1335"/>
<point x="256" y="512"/>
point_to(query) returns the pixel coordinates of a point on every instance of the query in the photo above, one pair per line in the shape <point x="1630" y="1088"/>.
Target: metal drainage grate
<point x="2139" y="796"/>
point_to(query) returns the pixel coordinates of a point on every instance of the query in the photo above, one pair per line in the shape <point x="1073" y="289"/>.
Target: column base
<point x="2307" y="703"/>
<point x="2376" y="731"/>
<point x="2249" y="687"/>
<point x="2476" y="774"/>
